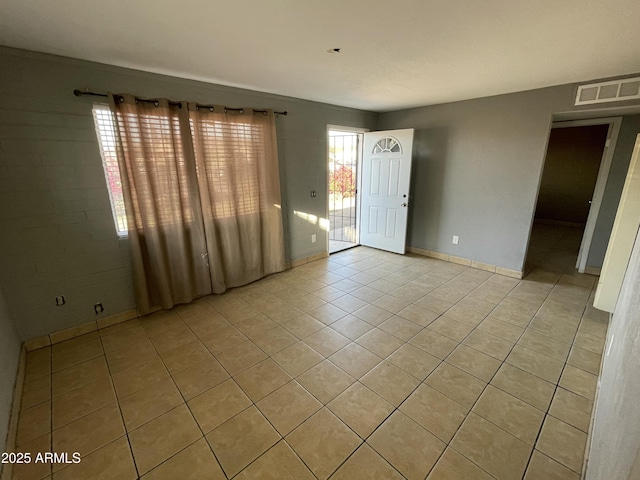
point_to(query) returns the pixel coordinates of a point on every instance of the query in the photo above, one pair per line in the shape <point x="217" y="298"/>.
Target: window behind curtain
<point x="197" y="184"/>
<point x="153" y="141"/>
<point x="232" y="150"/>
<point x="106" y="132"/>
<point x="231" y="153"/>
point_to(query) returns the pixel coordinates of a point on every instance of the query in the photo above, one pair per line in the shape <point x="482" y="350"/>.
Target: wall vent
<point x="613" y="91"/>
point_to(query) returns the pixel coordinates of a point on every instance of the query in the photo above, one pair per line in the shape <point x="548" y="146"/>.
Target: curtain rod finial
<point x="77" y="92"/>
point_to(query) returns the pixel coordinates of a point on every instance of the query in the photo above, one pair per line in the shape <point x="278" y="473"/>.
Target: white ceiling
<point x="395" y="54"/>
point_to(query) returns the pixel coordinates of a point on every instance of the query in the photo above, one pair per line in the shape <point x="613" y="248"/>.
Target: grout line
<point x="402" y="267"/>
<point x="396" y="409"/>
<point x="516" y="342"/>
<point x="555" y="391"/>
<point x="504" y="361"/>
<point x="551" y="401"/>
<point x="184" y="400"/>
<point x="124" y="425"/>
<point x="449" y="443"/>
<point x="253" y="404"/>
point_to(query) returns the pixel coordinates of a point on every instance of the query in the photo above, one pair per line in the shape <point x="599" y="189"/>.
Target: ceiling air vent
<point x="614" y="91"/>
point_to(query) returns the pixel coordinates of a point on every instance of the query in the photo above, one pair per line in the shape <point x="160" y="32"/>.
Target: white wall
<point x="615" y="446"/>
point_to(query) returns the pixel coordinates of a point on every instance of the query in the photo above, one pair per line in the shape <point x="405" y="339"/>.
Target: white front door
<point x="386" y="173"/>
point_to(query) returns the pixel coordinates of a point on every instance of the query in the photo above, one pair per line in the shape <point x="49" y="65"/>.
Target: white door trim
<point x="601" y="182"/>
<point x="342" y="128"/>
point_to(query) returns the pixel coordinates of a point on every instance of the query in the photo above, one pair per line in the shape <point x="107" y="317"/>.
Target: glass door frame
<point x="359" y="132"/>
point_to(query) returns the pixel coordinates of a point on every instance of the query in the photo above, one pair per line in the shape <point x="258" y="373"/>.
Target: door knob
<point x="405" y="204"/>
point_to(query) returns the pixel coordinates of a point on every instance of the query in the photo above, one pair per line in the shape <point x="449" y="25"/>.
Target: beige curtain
<point x="237" y="161"/>
<point x="160" y="188"/>
<point x="202" y="195"/>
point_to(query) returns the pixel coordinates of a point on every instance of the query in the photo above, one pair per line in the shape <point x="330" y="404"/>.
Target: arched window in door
<point x="387" y="145"/>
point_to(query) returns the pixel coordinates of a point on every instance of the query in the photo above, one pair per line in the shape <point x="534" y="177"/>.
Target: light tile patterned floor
<point x="365" y="365"/>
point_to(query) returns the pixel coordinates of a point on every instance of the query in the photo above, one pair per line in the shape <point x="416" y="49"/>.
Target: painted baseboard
<point x="312" y="258"/>
<point x="559" y="223"/>
<point x="94" y="325"/>
<point x="467" y="262"/>
<point x="82" y="329"/>
<point x="593" y="271"/>
<point x="88" y="327"/>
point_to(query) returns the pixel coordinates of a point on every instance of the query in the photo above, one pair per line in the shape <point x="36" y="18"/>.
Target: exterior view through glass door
<point x="344" y="155"/>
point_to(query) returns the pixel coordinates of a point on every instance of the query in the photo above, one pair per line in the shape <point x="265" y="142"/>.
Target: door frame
<point x="601" y="182"/>
<point x="360" y="131"/>
<point x="623" y="236"/>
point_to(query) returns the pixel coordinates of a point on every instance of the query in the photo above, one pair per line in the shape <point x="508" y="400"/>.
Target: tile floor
<point x="364" y="365"/>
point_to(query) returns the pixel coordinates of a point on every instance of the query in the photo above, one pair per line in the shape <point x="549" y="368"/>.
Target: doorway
<point x="344" y="157"/>
<point x="575" y="173"/>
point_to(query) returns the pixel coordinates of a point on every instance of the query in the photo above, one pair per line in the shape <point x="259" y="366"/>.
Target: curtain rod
<point x="79" y="93"/>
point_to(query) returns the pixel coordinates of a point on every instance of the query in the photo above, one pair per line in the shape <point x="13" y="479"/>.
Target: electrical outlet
<point x="98" y="308"/>
<point x="456" y="239"/>
<point x="313" y="238"/>
<point x="60" y="301"/>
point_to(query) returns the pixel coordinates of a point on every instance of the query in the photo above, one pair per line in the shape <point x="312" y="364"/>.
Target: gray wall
<point x="9" y="357"/>
<point x="476" y="173"/>
<point x="615" y="182"/>
<point x="615" y="446"/>
<point x="58" y="233"/>
<point x="477" y="167"/>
